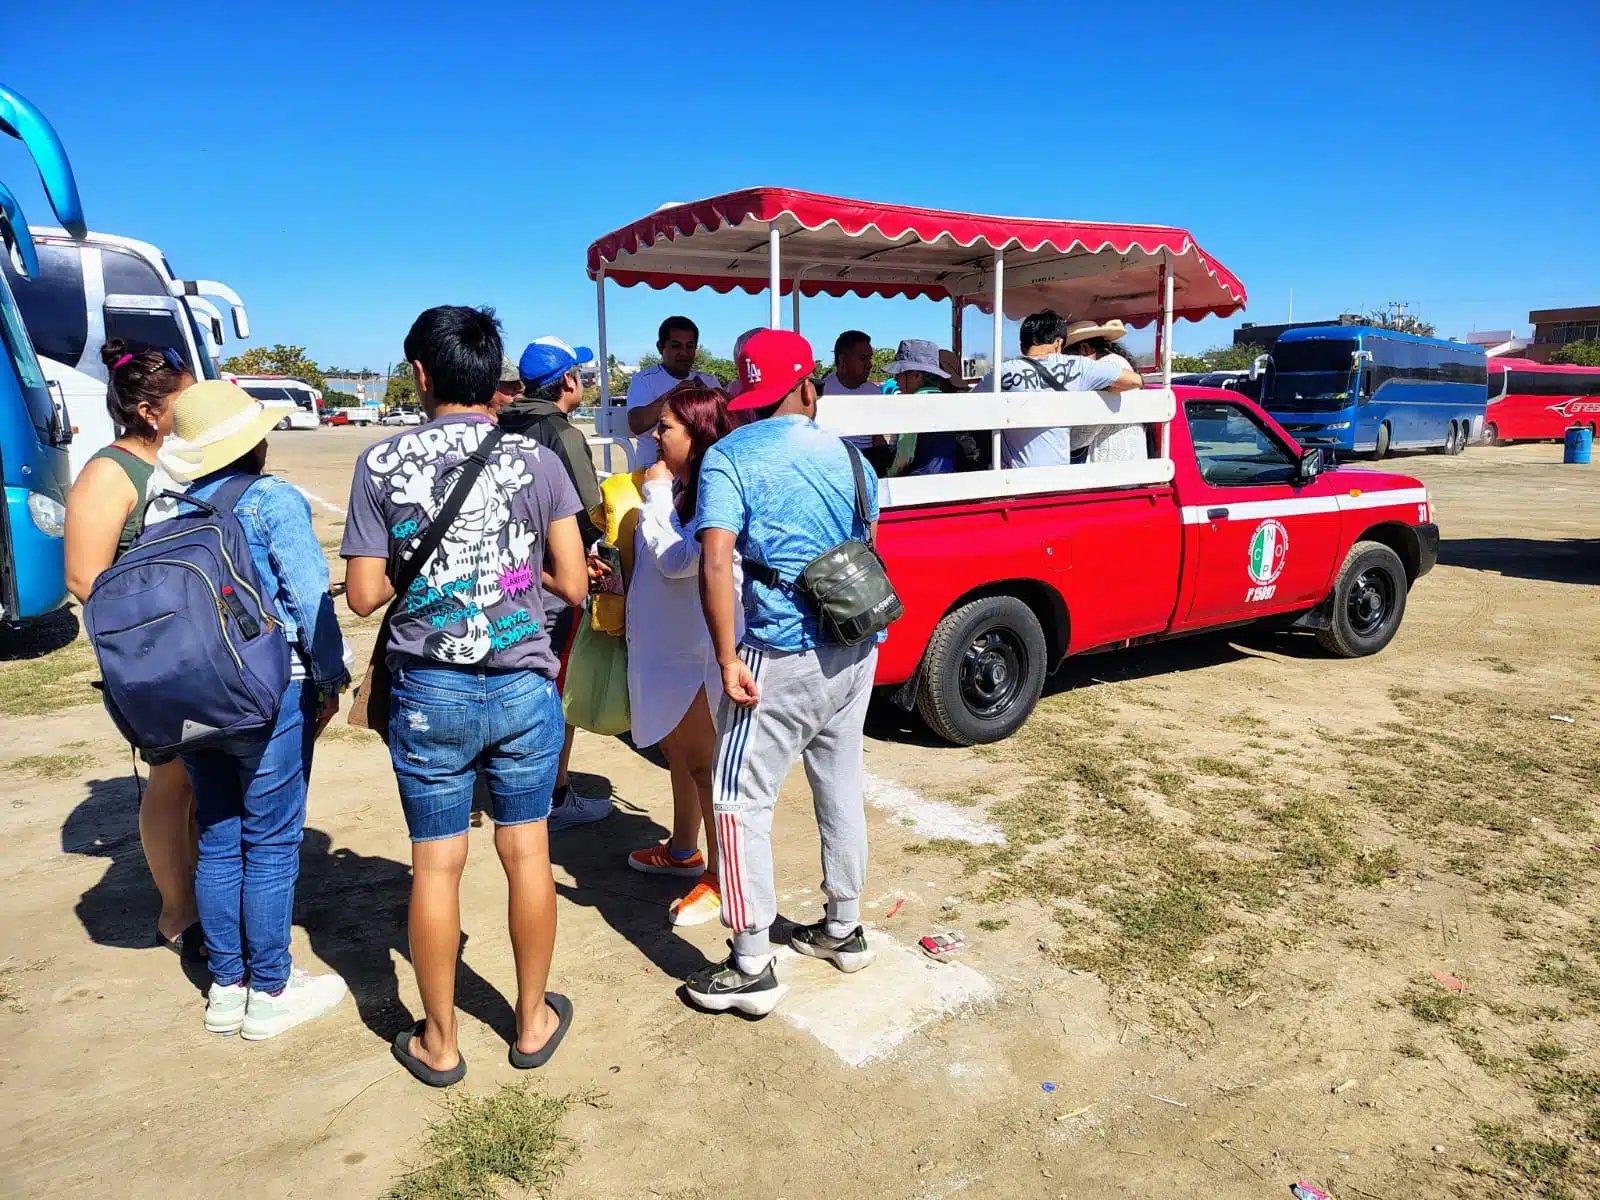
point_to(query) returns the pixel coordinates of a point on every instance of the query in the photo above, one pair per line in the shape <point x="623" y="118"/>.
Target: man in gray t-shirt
<point x="478" y="601"/>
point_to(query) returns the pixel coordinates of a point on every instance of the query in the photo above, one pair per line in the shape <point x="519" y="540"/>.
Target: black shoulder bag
<point x="370" y="708"/>
<point x="847" y="585"/>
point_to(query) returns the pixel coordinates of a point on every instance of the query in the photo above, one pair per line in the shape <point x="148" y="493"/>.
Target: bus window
<point x="152" y="329"/>
<point x="41" y="409"/>
<point x="52" y="305"/>
<point x="128" y="273"/>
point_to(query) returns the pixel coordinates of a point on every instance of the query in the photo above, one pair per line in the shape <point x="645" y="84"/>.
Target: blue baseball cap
<point x="547" y="359"/>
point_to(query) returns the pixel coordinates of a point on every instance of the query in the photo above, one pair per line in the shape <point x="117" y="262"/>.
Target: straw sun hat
<point x="214" y="424"/>
<point x="1080" y="331"/>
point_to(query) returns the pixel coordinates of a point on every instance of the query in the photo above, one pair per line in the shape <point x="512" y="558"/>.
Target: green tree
<point x="1189" y="363"/>
<point x="277" y="360"/>
<point x="1397" y="318"/>
<point x="1578" y="354"/>
<point x="402" y="391"/>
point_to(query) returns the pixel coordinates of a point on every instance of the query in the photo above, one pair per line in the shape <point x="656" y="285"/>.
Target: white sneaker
<point x="306" y="998"/>
<point x="225" y="1005"/>
<point x="574" y="808"/>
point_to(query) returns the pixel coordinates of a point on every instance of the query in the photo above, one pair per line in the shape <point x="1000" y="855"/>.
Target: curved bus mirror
<point x="14" y="235"/>
<point x="23" y="121"/>
<point x="1260" y="366"/>
<point x="210" y="287"/>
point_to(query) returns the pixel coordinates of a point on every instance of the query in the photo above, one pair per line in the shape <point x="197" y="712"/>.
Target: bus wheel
<point x="983" y="671"/>
<point x="1491" y="434"/>
<point x="1381" y="450"/>
<point x="1369" y="600"/>
<point x="1452" y="440"/>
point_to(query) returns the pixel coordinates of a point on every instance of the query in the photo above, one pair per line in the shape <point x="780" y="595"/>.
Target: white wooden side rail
<point x="989" y="411"/>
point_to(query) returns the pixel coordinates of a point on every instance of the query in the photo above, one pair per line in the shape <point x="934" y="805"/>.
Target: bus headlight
<point x="49" y="516"/>
<point x="1338" y="425"/>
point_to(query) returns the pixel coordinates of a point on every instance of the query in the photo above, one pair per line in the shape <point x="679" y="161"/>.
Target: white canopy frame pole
<point x="604" y="418"/>
<point x="995" y="438"/>
<point x="1166" y="345"/>
<point x="774" y="282"/>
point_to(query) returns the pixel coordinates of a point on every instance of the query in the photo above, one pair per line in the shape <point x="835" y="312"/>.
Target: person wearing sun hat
<point x="250" y="801"/>
<point x="917" y="367"/>
<point x="1098" y="340"/>
<point x="781" y="490"/>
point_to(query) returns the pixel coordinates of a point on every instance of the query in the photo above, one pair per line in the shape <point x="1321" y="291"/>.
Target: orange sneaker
<point x="702" y="904"/>
<point x="660" y="860"/>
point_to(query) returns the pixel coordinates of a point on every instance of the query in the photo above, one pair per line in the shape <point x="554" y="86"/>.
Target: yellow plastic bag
<point x="596" y="693"/>
<point x="620" y="501"/>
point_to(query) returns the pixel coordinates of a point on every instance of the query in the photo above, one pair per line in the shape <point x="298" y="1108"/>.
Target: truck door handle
<point x="1216" y="514"/>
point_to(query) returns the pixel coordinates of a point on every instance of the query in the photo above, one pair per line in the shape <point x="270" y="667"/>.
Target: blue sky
<point x="344" y="165"/>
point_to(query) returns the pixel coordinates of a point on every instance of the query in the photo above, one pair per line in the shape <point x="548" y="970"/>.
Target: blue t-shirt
<point x="785" y="489"/>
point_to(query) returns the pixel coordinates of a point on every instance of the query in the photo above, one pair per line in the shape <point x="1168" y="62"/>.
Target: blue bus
<point x="1361" y="389"/>
<point x="34" y="430"/>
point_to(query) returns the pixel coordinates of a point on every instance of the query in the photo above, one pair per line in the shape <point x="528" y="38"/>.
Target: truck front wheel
<point x="983" y="671"/>
<point x="1369" y="599"/>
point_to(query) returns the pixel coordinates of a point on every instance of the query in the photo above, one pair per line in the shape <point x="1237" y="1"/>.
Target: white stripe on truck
<point x="1255" y="510"/>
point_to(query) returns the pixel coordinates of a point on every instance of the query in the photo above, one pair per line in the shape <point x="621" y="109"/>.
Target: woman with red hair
<point x="671" y="669"/>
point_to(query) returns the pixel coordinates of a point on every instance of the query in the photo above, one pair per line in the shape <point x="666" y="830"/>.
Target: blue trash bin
<point x="1579" y="446"/>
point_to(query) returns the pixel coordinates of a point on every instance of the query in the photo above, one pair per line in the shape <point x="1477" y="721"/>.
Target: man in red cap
<point x="781" y="492"/>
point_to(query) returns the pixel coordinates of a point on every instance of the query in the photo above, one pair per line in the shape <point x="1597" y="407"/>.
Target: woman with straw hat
<point x="250" y="801"/>
<point x="1104" y="443"/>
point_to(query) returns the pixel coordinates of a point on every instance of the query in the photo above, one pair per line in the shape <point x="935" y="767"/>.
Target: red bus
<point x="1533" y="400"/>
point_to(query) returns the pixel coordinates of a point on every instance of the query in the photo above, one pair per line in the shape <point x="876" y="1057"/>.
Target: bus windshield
<point x="19" y="349"/>
<point x="1313" y="376"/>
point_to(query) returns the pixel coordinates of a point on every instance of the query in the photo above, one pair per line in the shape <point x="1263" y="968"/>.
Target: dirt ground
<point x="1202" y="962"/>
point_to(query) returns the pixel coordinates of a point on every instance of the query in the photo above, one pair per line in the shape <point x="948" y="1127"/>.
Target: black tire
<point x="1369" y="602"/>
<point x="983" y="671"/>
<point x="1491" y="434"/>
<point x="281" y="425"/>
<point x="1381" y="450"/>
<point x="1452" y="440"/>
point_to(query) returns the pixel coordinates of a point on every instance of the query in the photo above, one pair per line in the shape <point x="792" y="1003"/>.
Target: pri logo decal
<point x="1269" y="548"/>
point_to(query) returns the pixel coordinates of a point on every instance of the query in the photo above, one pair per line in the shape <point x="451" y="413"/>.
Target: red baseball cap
<point x="770" y="363"/>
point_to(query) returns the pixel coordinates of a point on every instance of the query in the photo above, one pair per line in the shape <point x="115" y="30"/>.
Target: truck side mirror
<point x="1259" y="366"/>
<point x="1310" y="464"/>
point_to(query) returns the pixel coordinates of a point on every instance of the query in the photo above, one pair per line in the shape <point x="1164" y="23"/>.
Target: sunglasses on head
<point x="175" y="361"/>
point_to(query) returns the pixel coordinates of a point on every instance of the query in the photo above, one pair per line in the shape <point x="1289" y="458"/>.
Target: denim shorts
<point x="446" y="722"/>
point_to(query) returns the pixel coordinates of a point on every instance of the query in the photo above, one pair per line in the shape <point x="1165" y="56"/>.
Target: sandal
<point x="421" y="1070"/>
<point x="562" y="1007"/>
<point x="190" y="944"/>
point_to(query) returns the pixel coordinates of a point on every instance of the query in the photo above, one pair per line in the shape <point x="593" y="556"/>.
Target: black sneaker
<point x="847" y="953"/>
<point x="722" y="986"/>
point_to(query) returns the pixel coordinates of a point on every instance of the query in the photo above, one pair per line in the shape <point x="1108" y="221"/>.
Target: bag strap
<point x="862" y="506"/>
<point x="410" y="568"/>
<point x="1047" y="375"/>
<point x="224" y="499"/>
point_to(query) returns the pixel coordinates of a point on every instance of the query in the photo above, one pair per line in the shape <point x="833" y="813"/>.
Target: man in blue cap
<point x="552" y="389"/>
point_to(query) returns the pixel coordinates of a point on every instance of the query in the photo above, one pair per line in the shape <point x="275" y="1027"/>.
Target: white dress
<point x="669" y="647"/>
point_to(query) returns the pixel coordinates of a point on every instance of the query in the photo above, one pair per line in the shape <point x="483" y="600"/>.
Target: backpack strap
<point x="1044" y="373"/>
<point x="409" y="568"/>
<point x="224" y="499"/>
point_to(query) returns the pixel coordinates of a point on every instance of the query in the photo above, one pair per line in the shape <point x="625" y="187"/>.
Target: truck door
<point x="1262" y="541"/>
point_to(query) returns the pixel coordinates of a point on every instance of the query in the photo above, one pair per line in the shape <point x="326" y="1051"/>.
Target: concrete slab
<point x="863" y="1017"/>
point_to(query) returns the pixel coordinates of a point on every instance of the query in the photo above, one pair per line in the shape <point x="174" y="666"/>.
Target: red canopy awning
<point x="838" y="247"/>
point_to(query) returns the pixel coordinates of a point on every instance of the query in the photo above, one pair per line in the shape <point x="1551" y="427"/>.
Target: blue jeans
<point x="445" y="721"/>
<point x="250" y="804"/>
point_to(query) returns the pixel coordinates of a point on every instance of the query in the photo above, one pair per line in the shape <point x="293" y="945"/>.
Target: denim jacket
<point x="284" y="548"/>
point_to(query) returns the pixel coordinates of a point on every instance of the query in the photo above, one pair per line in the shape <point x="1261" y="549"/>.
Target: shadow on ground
<point x="1557" y="560"/>
<point x="39" y="638"/>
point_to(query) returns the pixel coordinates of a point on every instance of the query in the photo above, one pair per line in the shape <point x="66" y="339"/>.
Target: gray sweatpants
<point x="813" y="705"/>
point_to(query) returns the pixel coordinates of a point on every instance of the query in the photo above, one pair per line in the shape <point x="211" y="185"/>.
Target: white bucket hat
<point x="1082" y="331"/>
<point x="915" y="354"/>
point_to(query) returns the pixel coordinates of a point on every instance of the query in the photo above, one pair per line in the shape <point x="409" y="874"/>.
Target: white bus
<point x="300" y="403"/>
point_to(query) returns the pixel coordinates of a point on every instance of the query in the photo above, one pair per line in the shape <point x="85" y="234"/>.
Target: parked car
<point x="336" y="418"/>
<point x="402" y="418"/>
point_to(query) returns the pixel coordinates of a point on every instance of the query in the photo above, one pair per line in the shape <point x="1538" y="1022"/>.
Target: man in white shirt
<point x="1041" y="337"/>
<point x="852" y="364"/>
<point x="677" y="341"/>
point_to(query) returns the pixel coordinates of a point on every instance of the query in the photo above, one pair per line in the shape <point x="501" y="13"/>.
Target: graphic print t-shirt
<point x="478" y="600"/>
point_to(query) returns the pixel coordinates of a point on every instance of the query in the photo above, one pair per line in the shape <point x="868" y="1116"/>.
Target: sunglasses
<point x="175" y="361"/>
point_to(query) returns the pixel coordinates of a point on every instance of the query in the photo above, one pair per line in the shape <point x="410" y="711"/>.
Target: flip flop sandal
<point x="402" y="1053"/>
<point x="562" y="1007"/>
<point x="190" y="944"/>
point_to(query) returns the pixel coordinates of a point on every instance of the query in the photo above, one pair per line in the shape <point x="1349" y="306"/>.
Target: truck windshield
<point x="1312" y="376"/>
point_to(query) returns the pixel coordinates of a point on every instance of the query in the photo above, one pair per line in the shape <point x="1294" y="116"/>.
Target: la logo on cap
<point x="752" y="373"/>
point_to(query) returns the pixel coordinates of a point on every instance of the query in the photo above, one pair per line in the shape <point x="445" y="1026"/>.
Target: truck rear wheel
<point x="1369" y="600"/>
<point x="1381" y="450"/>
<point x="983" y="671"/>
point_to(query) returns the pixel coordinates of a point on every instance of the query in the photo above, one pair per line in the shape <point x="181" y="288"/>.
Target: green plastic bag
<point x="596" y="693"/>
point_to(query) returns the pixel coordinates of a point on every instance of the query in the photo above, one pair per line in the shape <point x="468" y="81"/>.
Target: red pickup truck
<point x="997" y="593"/>
<point x="1006" y="570"/>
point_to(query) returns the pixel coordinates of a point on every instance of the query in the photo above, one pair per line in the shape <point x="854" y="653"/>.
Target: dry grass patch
<point x="51" y="766"/>
<point x="36" y="686"/>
